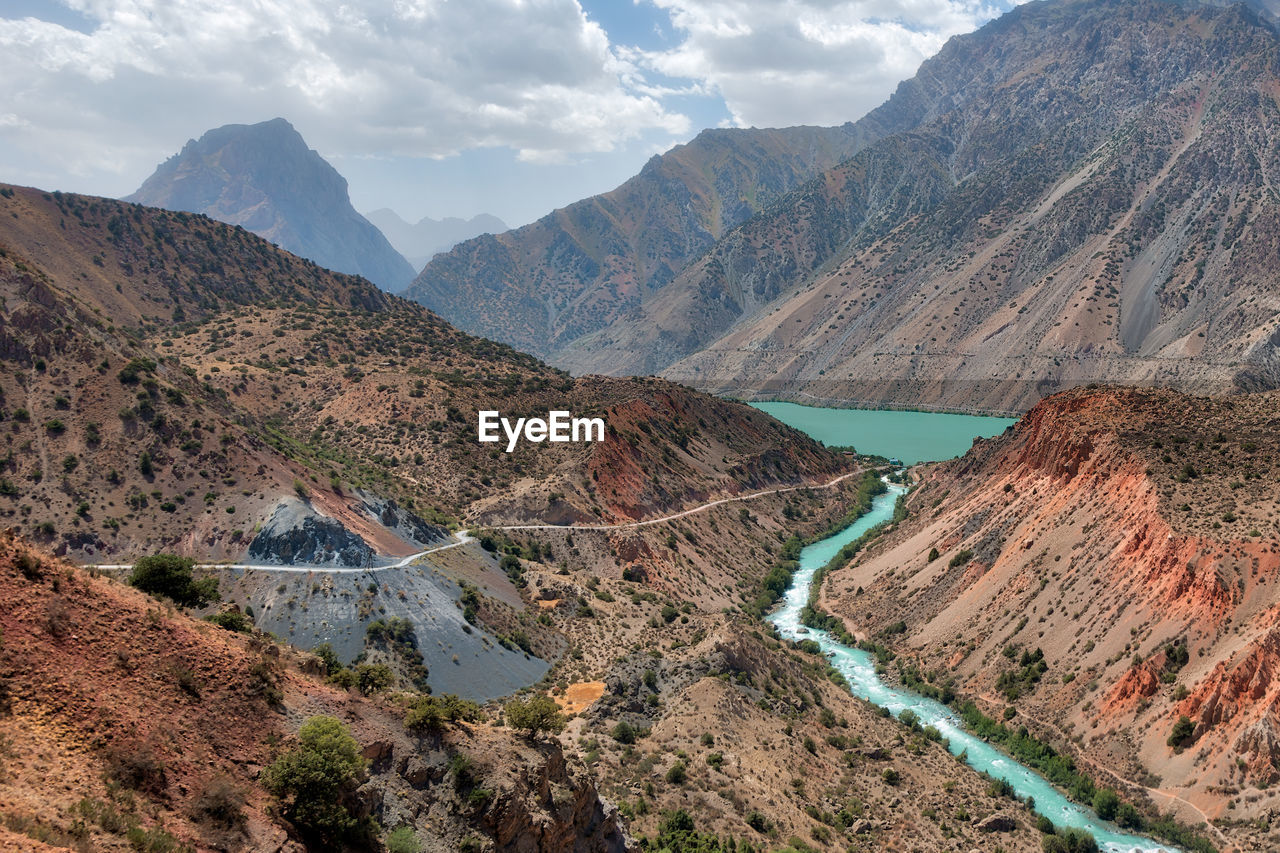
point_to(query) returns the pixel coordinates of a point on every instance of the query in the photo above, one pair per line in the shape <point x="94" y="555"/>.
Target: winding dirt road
<point x="461" y="538"/>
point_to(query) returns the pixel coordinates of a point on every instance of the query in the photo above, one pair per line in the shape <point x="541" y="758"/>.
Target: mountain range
<point x="1076" y="192"/>
<point x="579" y="269"/>
<point x="1082" y="193"/>
<point x="265" y="178"/>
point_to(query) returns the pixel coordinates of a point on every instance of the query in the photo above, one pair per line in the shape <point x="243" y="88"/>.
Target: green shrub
<point x="1106" y="803"/>
<point x="232" y="620"/>
<point x="1182" y="732"/>
<point x="1070" y="841"/>
<point x="431" y="713"/>
<point x="535" y="715"/>
<point x="403" y="839"/>
<point x="325" y="652"/>
<point x="315" y="781"/>
<point x="171" y="576"/>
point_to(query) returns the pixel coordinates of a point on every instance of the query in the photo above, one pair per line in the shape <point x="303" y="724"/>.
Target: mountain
<point x="177" y="383"/>
<point x="1127" y="540"/>
<point x="581" y="268"/>
<point x="1088" y="197"/>
<point x="172" y="383"/>
<point x="265" y="178"/>
<point x="428" y="237"/>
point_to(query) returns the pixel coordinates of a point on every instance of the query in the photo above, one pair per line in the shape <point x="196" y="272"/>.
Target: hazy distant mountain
<point x="421" y="241"/>
<point x="264" y="177"/>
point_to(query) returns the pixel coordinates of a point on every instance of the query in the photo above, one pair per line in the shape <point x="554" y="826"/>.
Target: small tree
<point x="171" y="576"/>
<point x="1106" y="803"/>
<point x="373" y="678"/>
<point x="315" y="779"/>
<point x="535" y="715"/>
<point x="1182" y="732"/>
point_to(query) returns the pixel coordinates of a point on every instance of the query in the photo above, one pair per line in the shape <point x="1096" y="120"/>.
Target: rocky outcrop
<point x="996" y="823"/>
<point x="401" y="521"/>
<point x="548" y="808"/>
<point x="295" y="534"/>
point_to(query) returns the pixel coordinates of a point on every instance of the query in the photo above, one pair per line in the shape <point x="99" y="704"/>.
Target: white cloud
<point x="807" y="61"/>
<point x="95" y="105"/>
<point x="385" y="77"/>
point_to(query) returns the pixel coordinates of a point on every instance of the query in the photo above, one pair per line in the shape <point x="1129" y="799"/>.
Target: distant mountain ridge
<point x="422" y="240"/>
<point x="578" y="269"/>
<point x="264" y="177"/>
<point x="1087" y="197"/>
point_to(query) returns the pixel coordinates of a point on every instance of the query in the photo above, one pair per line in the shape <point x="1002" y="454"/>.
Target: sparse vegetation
<point x="534" y="715"/>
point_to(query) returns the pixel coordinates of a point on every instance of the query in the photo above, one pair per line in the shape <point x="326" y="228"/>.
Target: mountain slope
<point x="175" y="383"/>
<point x="131" y="726"/>
<point x="1095" y="202"/>
<point x="263" y="177"/>
<point x="1131" y="536"/>
<point x="422" y="240"/>
<point x="580" y="268"/>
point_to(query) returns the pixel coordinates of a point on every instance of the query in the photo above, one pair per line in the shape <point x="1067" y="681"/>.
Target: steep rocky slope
<point x="129" y="726"/>
<point x="174" y="383"/>
<point x="263" y="177"/>
<point x="1091" y="200"/>
<point x="1132" y="536"/>
<point x="583" y="267"/>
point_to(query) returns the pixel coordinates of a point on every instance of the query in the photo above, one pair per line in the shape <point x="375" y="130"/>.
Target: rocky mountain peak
<point x="264" y="178"/>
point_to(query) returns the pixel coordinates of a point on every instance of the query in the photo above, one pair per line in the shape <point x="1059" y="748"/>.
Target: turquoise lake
<point x="910" y="436"/>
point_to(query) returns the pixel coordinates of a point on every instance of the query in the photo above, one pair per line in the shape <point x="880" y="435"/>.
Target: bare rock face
<point x="996" y="823"/>
<point x="1045" y="223"/>
<point x="1134" y="546"/>
<point x="296" y="534"/>
<point x="553" y="809"/>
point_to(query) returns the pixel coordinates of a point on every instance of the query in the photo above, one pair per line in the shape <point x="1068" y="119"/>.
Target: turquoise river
<point x="858" y="666"/>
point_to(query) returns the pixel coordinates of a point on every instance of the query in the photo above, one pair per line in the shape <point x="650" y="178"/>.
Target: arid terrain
<point x="1132" y="537"/>
<point x="174" y="384"/>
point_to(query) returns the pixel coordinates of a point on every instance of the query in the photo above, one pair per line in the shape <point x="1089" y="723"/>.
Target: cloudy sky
<point x="442" y="107"/>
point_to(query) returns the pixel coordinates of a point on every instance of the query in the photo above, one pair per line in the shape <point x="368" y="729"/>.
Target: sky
<point x="442" y="107"/>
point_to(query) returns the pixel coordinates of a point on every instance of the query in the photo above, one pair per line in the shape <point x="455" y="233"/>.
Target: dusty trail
<point x="461" y="537"/>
